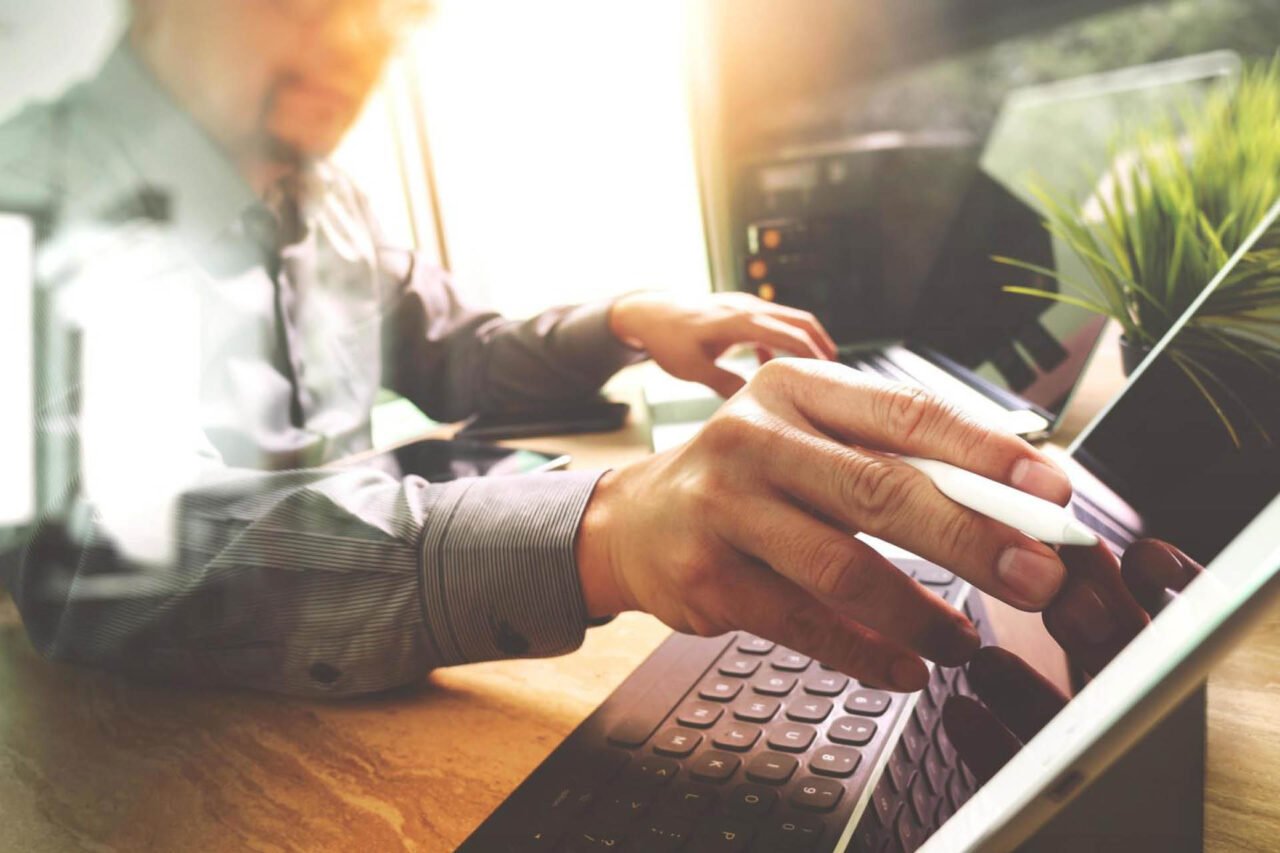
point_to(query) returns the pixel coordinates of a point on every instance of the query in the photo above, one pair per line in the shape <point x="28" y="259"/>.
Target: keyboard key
<point x="773" y="684"/>
<point x="739" y="737"/>
<point x="938" y="687"/>
<point x="791" y="737"/>
<point x="773" y="768"/>
<point x="944" y="812"/>
<point x="651" y="770"/>
<point x="809" y="709"/>
<point x="699" y="715"/>
<point x="713" y="766"/>
<point x="915" y="740"/>
<point x="816" y="794"/>
<point x="723" y="835"/>
<point x="870" y="838"/>
<point x="936" y="770"/>
<point x="900" y="771"/>
<point x="748" y="800"/>
<point x="943" y="743"/>
<point x="564" y="801"/>
<point x="957" y="791"/>
<point x="739" y="666"/>
<point x="930" y="574"/>
<point x="793" y="834"/>
<point x="835" y="761"/>
<point x="691" y="799"/>
<point x="651" y="701"/>
<point x="886" y="804"/>
<point x="790" y="661"/>
<point x="910" y="834"/>
<point x="676" y="741"/>
<point x="597" y="836"/>
<point x="854" y="731"/>
<point x="720" y="689"/>
<point x="922" y="802"/>
<point x="661" y="833"/>
<point x="755" y="645"/>
<point x="626" y="808"/>
<point x="756" y="709"/>
<point x="869" y="703"/>
<point x="825" y="683"/>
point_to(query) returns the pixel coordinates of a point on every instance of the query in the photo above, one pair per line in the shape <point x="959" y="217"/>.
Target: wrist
<point x="626" y="317"/>
<point x="597" y="569"/>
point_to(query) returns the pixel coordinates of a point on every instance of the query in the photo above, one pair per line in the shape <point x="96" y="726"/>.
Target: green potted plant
<point x="1165" y="220"/>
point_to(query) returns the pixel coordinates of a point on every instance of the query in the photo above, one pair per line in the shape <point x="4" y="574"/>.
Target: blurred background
<point x="557" y="151"/>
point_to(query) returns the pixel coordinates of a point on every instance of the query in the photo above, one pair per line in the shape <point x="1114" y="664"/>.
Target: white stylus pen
<point x="1036" y="517"/>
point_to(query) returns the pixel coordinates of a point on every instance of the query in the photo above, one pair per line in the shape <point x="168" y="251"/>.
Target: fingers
<point x="768" y="605"/>
<point x="891" y="500"/>
<point x="776" y="334"/>
<point x="1150" y="567"/>
<point x="797" y="317"/>
<point x="983" y="743"/>
<point x="1094" y="616"/>
<point x="850" y="577"/>
<point x="810" y="325"/>
<point x="1023" y="699"/>
<point x="864" y="410"/>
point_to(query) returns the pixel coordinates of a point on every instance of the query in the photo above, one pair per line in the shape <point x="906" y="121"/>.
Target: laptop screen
<point x="17" y="449"/>
<point x="1056" y="137"/>
<point x="1189" y="453"/>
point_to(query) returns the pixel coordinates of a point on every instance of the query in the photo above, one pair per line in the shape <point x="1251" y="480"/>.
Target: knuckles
<point x="908" y="412"/>
<point x="873" y="488"/>
<point x="835" y="568"/>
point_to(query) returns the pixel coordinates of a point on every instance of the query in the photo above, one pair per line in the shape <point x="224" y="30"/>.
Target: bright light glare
<point x="17" y="426"/>
<point x="563" y="149"/>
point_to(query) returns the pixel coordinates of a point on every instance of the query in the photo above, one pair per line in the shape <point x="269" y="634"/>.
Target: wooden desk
<point x="89" y="761"/>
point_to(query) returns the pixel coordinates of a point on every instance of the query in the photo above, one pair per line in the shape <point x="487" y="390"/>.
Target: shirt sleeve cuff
<point x="500" y="578"/>
<point x="584" y="332"/>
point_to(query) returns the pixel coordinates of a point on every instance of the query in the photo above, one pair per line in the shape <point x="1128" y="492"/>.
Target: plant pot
<point x="1131" y="354"/>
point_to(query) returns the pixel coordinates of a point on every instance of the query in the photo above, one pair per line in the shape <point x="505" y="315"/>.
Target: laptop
<point x="1009" y="359"/>
<point x="733" y="743"/>
<point x="17" y="371"/>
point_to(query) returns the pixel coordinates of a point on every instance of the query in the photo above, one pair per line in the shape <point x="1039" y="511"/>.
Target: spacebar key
<point x="644" y="700"/>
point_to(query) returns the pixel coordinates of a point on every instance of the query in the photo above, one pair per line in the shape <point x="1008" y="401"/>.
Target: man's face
<point x="292" y="74"/>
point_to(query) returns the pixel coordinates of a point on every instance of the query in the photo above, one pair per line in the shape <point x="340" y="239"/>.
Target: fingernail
<point x="908" y="674"/>
<point x="1031" y="576"/>
<point x="1089" y="614"/>
<point x="1040" y="479"/>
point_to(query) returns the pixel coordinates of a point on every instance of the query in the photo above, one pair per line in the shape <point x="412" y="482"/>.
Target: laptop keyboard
<point x="734" y="743"/>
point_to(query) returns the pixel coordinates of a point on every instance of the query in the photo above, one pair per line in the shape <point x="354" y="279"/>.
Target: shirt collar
<point x="168" y="150"/>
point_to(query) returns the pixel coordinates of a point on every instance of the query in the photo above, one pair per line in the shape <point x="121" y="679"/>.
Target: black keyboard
<point x="732" y="743"/>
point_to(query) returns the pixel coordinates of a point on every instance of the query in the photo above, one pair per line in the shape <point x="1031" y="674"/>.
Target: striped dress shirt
<point x="198" y="365"/>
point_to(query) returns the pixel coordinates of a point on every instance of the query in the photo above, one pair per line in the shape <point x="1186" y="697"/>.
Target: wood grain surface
<point x="89" y="761"/>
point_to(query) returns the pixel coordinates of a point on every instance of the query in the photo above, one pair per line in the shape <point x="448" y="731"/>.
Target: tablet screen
<point x="1190" y="453"/>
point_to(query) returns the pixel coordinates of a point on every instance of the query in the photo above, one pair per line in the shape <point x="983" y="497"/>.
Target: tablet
<point x="1161" y="462"/>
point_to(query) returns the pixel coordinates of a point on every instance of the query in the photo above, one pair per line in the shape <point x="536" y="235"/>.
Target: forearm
<point x="453" y="360"/>
<point x="315" y="583"/>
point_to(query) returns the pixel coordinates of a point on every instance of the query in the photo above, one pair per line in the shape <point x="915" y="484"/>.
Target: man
<point x="219" y="314"/>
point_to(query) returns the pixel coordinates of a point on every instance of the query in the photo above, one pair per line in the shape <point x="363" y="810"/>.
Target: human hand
<point x="750" y="524"/>
<point x="1103" y="605"/>
<point x="686" y="334"/>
